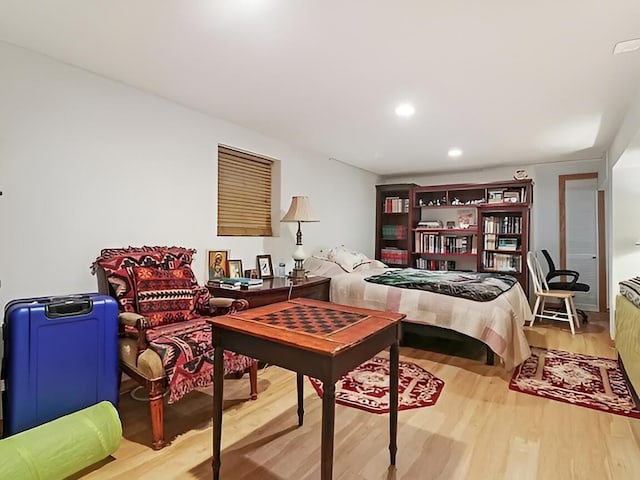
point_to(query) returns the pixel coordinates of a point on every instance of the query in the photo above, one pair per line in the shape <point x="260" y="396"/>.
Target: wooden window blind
<point x="244" y="193"/>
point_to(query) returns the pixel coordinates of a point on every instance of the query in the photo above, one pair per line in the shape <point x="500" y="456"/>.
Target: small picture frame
<point x="265" y="267"/>
<point x="235" y="268"/>
<point x="218" y="267"/>
<point x="451" y="224"/>
<point x="251" y="273"/>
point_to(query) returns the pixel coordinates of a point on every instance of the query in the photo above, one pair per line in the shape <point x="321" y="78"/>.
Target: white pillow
<point x="347" y="259"/>
<point x="323" y="268"/>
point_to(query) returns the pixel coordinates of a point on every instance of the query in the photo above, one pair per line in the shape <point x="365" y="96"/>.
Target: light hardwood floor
<point x="479" y="429"/>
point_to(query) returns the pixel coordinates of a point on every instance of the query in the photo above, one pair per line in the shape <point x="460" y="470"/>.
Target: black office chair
<point x="571" y="285"/>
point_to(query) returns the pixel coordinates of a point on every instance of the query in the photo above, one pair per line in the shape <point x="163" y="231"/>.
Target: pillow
<point x="118" y="264"/>
<point x="347" y="259"/>
<point x="631" y="289"/>
<point x="322" y="268"/>
<point x="371" y="264"/>
<point x="164" y="296"/>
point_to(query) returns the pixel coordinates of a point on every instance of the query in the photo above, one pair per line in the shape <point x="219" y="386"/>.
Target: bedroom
<point x="88" y="162"/>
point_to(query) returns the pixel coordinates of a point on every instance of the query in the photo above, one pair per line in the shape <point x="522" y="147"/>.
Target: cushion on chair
<point x="118" y="262"/>
<point x="164" y="296"/>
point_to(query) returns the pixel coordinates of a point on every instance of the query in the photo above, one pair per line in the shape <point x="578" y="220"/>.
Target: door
<point x="581" y="235"/>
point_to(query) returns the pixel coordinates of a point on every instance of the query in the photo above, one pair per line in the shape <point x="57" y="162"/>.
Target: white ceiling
<point x="508" y="81"/>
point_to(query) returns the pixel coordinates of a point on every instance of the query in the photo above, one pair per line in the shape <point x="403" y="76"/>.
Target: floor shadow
<point x="192" y="412"/>
<point x="262" y="454"/>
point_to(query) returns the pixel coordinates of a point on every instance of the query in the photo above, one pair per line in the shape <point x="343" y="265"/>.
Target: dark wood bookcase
<point x="469" y="227"/>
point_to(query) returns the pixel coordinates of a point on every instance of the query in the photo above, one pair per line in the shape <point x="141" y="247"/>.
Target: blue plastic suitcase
<point x="60" y="356"/>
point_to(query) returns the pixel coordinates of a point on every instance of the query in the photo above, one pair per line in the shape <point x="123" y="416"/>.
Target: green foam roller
<point x="62" y="447"/>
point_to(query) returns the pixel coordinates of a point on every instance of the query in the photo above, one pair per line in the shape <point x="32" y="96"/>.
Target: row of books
<point x="236" y="283"/>
<point x="394" y="232"/>
<point x="437" y="243"/>
<point x="394" y="256"/>
<point x="493" y="242"/>
<point x="502" y="262"/>
<point x="430" y="264"/>
<point x="507" y="224"/>
<point x="396" y="205"/>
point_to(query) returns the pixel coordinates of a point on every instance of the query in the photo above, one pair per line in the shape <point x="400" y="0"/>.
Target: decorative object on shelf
<point x="218" y="264"/>
<point x="299" y="211"/>
<point x="520" y="175"/>
<point x="265" y="267"/>
<point x="235" y="268"/>
<point x="465" y="218"/>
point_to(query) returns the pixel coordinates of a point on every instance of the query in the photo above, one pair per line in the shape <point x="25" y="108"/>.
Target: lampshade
<point x="300" y="211"/>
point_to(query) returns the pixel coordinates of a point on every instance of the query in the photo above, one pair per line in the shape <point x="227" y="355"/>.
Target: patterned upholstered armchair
<point x="165" y="341"/>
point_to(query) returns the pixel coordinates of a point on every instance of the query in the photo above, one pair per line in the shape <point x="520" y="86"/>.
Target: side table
<point x="278" y="289"/>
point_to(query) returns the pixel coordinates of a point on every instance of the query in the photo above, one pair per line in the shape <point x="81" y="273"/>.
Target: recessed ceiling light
<point x="405" y="110"/>
<point x="455" y="152"/>
<point x="627" y="46"/>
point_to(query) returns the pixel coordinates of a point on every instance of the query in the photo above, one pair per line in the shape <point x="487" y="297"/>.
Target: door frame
<point x="602" y="263"/>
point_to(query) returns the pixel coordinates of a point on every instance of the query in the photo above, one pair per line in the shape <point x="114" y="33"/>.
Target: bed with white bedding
<point x="497" y="323"/>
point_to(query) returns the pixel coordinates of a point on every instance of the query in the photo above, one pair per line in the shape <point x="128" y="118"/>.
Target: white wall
<point x="89" y="163"/>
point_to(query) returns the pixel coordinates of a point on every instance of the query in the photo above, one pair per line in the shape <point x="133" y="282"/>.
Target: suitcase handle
<point x="68" y="307"/>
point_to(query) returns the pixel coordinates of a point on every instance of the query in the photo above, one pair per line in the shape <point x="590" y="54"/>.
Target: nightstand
<point x="277" y="290"/>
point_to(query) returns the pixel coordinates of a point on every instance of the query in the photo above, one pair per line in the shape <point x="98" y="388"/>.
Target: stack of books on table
<point x="240" y="282"/>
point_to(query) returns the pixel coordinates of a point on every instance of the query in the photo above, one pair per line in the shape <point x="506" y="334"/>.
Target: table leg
<point x="300" y="388"/>
<point x="328" y="423"/>
<point x="393" y="400"/>
<point x="218" y="377"/>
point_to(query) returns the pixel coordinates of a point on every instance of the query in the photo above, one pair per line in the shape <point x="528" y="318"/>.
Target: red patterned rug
<point x="591" y="382"/>
<point x="367" y="387"/>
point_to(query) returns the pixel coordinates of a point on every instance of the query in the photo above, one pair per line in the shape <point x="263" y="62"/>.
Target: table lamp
<point x="299" y="211"/>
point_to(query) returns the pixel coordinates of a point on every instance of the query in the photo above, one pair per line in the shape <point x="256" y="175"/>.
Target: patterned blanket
<point x="187" y="356"/>
<point x="480" y="287"/>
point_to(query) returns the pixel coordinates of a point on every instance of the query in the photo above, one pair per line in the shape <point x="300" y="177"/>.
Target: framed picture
<point x="218" y="264"/>
<point x="451" y="224"/>
<point x="265" y="267"/>
<point x="251" y="273"/>
<point x="235" y="268"/>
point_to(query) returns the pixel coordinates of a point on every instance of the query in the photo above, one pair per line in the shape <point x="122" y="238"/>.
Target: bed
<point x="497" y="323"/>
<point x="627" y="335"/>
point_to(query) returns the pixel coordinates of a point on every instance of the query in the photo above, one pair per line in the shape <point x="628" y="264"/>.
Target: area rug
<point x="591" y="382"/>
<point x="367" y="387"/>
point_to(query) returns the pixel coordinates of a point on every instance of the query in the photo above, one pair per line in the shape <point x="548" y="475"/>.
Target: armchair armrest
<point x="222" y="305"/>
<point x="140" y="323"/>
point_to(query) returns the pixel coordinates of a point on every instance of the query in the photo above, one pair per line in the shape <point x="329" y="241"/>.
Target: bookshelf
<point x="394" y="218"/>
<point x="472" y="227"/>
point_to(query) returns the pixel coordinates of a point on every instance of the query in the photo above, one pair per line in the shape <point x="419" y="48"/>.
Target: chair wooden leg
<point x="253" y="380"/>
<point x="156" y="409"/>
<point x="535" y="311"/>
<point x="570" y="317"/>
<point x="575" y="312"/>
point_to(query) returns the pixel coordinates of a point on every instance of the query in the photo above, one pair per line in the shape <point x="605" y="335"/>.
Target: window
<point x="244" y="193"/>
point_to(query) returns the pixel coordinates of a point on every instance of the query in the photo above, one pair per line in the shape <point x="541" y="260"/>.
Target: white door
<point x="581" y="207"/>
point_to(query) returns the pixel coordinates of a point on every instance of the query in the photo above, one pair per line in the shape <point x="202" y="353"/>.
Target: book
<point x="239" y="281"/>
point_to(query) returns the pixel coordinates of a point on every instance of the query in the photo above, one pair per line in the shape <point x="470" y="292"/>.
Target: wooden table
<point x="315" y="338"/>
<point x="278" y="290"/>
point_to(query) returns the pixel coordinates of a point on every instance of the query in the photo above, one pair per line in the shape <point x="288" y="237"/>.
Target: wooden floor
<point x="479" y="429"/>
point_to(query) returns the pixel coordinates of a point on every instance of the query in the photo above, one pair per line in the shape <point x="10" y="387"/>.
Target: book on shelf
<point x="238" y="282"/>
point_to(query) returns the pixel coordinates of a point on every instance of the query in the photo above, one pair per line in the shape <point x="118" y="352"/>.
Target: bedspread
<point x="497" y="323"/>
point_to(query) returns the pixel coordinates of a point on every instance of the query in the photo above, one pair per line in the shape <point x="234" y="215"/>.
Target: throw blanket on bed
<point x="631" y="289"/>
<point x="481" y="287"/>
